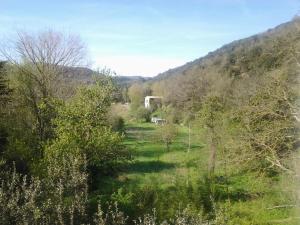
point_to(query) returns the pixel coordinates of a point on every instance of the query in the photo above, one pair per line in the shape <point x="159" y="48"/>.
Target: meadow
<point x="168" y="181"/>
<point x="75" y="147"/>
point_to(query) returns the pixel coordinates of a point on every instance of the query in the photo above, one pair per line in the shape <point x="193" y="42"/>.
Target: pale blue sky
<point x="145" y="37"/>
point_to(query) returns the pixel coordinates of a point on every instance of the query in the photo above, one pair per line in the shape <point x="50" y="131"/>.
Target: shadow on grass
<point x="149" y="166"/>
<point x="181" y="146"/>
<point x="131" y="138"/>
<point x="160" y="149"/>
<point x="150" y="153"/>
<point x="235" y="195"/>
<point x="230" y="188"/>
<point x="135" y="129"/>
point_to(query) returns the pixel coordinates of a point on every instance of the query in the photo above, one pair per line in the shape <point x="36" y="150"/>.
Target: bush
<point x="142" y="114"/>
<point x="167" y="134"/>
<point x="82" y="128"/>
<point x="58" y="198"/>
<point x="117" y="123"/>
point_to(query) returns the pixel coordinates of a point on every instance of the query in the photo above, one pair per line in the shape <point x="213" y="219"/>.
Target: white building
<point x="148" y="100"/>
<point x="157" y="120"/>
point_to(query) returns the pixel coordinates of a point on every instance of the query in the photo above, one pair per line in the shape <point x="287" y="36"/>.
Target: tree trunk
<point x="213" y="156"/>
<point x="189" y="137"/>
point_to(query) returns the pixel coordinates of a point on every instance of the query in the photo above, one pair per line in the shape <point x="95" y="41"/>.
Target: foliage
<point x="167" y="133"/>
<point x="245" y="98"/>
<point x="181" y="218"/>
<point x="117" y="123"/>
<point x="5" y="91"/>
<point x="81" y="128"/>
<point x="141" y="114"/>
<point x="136" y="95"/>
<point x="38" y="62"/>
<point x="5" y="95"/>
<point x="240" y="61"/>
<point x="171" y="114"/>
<point x="59" y="198"/>
<point x="113" y="216"/>
<point x="269" y="131"/>
<point x="211" y="117"/>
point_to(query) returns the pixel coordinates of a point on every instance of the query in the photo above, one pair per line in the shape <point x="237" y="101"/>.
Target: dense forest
<point x="77" y="146"/>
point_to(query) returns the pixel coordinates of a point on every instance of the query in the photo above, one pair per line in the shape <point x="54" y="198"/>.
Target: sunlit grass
<point x="249" y="196"/>
<point x="153" y="161"/>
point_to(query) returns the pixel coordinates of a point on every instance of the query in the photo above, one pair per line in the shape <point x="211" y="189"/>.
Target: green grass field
<point x="153" y="163"/>
<point x="250" y="196"/>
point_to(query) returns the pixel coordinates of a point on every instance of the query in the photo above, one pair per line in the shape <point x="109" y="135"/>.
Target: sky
<point x="147" y="37"/>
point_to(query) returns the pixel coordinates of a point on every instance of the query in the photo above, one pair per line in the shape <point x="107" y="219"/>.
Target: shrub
<point x="117" y="123"/>
<point x="58" y="198"/>
<point x="82" y="128"/>
<point x="167" y="134"/>
<point x="142" y="114"/>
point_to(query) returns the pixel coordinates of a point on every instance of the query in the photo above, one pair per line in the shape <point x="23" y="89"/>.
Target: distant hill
<point x="128" y="80"/>
<point x="275" y="51"/>
<point x="258" y="43"/>
<point x="86" y="76"/>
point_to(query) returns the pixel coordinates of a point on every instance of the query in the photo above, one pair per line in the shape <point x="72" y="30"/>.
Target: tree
<point x="59" y="197"/>
<point x="82" y="128"/>
<point x="142" y="114"/>
<point x="136" y="95"/>
<point x="188" y="120"/>
<point x="124" y="92"/>
<point x="167" y="133"/>
<point x="211" y="116"/>
<point x="39" y="62"/>
<point x="270" y="130"/>
<point x="4" y="87"/>
<point x="158" y="88"/>
<point x="5" y="95"/>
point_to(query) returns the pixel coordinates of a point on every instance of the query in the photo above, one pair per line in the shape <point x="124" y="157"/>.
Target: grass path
<point x="153" y="163"/>
<point x="250" y="193"/>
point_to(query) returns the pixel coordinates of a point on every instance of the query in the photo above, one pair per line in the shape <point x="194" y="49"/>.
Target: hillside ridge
<point x="228" y="47"/>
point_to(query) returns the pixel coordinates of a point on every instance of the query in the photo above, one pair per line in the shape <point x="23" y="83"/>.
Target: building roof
<point x="147" y="97"/>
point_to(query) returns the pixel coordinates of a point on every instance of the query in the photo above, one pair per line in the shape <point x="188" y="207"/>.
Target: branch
<point x="279" y="165"/>
<point x="282" y="206"/>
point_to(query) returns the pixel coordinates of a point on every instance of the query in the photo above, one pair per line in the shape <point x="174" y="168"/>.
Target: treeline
<point x="55" y="138"/>
<point x="243" y="100"/>
<point x="60" y="139"/>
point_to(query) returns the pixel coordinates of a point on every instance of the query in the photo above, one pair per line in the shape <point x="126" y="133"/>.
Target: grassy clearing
<point x="153" y="162"/>
<point x="160" y="177"/>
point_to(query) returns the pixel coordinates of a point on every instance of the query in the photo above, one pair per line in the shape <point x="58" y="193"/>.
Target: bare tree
<point x="39" y="62"/>
<point x="167" y="134"/>
<point x="211" y="120"/>
<point x="44" y="57"/>
<point x="136" y="95"/>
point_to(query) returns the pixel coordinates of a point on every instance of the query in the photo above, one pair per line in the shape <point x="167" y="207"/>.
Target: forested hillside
<point x="84" y="75"/>
<point x="253" y="58"/>
<point x="223" y="147"/>
<point x="242" y="101"/>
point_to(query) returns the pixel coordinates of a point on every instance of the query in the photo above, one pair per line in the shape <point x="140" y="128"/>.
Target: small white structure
<point x="157" y="120"/>
<point x="148" y="100"/>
